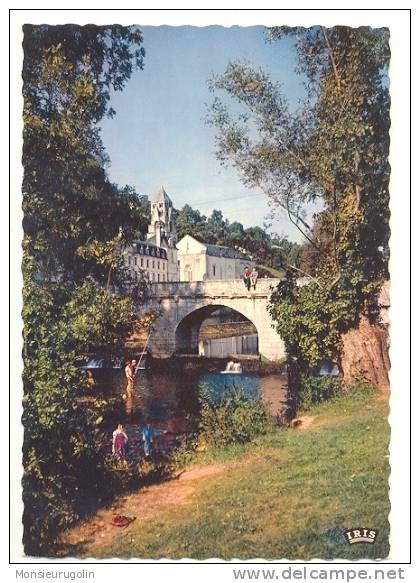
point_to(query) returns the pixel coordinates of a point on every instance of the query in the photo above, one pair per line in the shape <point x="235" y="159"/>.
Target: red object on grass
<point x="120" y="520"/>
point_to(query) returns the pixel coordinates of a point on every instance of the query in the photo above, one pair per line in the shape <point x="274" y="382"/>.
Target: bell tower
<point x="162" y="225"/>
<point x="162" y="230"/>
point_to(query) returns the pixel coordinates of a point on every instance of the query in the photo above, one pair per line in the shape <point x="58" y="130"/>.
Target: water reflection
<point x="171" y="399"/>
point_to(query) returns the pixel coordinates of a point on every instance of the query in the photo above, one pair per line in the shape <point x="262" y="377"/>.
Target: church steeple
<point x="162" y="225"/>
<point x="160" y="196"/>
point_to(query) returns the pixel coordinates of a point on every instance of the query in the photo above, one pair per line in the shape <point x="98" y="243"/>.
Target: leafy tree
<point x="236" y="235"/>
<point x="190" y="222"/>
<point x="218" y="227"/>
<point x="68" y="72"/>
<point x="333" y="152"/>
<point x="72" y="219"/>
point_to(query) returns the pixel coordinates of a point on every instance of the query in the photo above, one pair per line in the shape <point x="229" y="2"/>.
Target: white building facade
<point x="202" y="262"/>
<point x="156" y="257"/>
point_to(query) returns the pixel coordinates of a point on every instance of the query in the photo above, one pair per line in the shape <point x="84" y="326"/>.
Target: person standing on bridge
<point x="247" y="278"/>
<point x="254" y="277"/>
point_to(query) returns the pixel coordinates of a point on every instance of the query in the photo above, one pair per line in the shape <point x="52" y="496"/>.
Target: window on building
<point x="147" y="263"/>
<point x="158" y="276"/>
<point x="129" y="260"/>
<point x="187" y="273"/>
<point x="153" y="264"/>
<point x="158" y="264"/>
<point x="135" y="260"/>
<point x="141" y="262"/>
<point x="153" y="277"/>
<point x="214" y="270"/>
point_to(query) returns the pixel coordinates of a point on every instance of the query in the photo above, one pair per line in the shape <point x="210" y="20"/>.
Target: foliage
<point x="233" y="419"/>
<point x="146" y="321"/>
<point x="70" y="207"/>
<point x="315" y="389"/>
<point x="312" y="317"/>
<point x="98" y="320"/>
<point x="72" y="215"/>
<point x="332" y="152"/>
<point x="62" y="464"/>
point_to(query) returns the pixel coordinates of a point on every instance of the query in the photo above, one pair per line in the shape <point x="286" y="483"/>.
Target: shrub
<point x="318" y="388"/>
<point x="233" y="419"/>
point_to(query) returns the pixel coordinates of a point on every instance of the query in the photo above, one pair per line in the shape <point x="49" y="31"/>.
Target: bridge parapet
<point x="212" y="288"/>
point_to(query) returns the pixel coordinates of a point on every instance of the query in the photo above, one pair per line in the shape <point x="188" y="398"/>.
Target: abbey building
<point x="163" y="259"/>
<point x="157" y="256"/>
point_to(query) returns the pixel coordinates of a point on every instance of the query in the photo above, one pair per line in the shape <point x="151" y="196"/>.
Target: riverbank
<point x="287" y="494"/>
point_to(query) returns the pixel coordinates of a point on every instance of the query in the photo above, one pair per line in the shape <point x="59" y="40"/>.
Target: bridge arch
<point x="185" y="305"/>
<point x="188" y="329"/>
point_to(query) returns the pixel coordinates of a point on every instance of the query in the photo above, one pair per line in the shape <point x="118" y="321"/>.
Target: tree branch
<point x="295" y="223"/>
<point x="357" y="192"/>
<point x="331" y="54"/>
<point x="305" y="274"/>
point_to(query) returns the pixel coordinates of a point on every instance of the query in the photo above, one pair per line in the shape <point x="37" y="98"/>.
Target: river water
<point x="170" y="399"/>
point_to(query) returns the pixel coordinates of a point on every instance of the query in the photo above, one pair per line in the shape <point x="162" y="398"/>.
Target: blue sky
<point x="158" y="136"/>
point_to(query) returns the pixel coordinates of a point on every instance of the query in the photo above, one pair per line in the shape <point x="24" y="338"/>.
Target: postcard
<point x="207" y="290"/>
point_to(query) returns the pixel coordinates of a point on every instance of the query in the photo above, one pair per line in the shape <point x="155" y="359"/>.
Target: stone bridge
<point x="185" y="305"/>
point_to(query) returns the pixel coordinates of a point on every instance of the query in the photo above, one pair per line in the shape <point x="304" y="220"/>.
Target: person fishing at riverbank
<point x="119" y="441"/>
<point x="149" y="433"/>
<point x="130" y="373"/>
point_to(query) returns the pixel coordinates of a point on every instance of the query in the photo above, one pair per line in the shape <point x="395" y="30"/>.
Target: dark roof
<point x="162" y="252"/>
<point x="160" y="196"/>
<point x="220" y="251"/>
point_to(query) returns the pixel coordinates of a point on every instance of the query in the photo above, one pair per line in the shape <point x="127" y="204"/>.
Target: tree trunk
<point x="365" y="354"/>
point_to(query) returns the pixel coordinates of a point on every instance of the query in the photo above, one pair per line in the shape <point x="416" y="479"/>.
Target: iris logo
<point x="360" y="535"/>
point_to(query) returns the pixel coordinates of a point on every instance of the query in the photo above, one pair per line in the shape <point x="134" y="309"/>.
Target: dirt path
<point x="98" y="530"/>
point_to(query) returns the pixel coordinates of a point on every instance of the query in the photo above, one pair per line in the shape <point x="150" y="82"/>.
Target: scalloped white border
<point x="398" y="23"/>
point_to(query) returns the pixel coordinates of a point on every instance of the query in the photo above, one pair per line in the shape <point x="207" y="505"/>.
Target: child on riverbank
<point x="119" y="441"/>
<point x="148" y="436"/>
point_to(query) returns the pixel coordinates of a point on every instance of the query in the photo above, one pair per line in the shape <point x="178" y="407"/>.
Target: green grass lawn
<point x="289" y="494"/>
